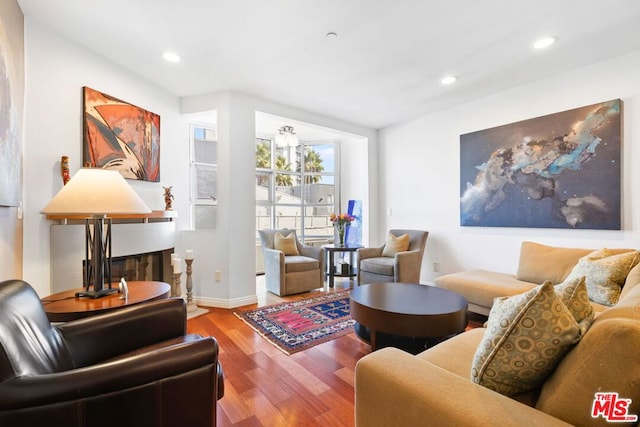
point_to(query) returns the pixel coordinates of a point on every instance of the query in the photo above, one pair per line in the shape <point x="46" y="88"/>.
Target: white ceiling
<point x="385" y="65"/>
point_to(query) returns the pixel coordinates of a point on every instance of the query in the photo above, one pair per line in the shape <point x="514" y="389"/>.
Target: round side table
<point x="330" y="269"/>
<point x="64" y="306"/>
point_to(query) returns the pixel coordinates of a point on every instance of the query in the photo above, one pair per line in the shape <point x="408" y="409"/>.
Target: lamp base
<point x="96" y="294"/>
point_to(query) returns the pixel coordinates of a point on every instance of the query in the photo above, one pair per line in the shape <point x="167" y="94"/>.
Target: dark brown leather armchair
<point x="133" y="367"/>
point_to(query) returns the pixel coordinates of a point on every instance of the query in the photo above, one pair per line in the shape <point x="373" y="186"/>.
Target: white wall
<point x="419" y="166"/>
<point x="56" y="70"/>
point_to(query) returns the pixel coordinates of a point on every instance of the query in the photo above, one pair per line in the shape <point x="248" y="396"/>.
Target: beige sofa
<point x="433" y="388"/>
<point x="481" y="287"/>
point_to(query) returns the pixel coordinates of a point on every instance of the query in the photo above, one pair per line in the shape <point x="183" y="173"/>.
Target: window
<point x="296" y="188"/>
<point x="204" y="178"/>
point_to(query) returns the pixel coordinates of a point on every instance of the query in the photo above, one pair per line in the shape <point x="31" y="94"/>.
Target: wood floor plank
<point x="326" y="375"/>
<point x="265" y="411"/>
<point x="311" y="382"/>
<point x="266" y="382"/>
<point x="347" y="375"/>
<point x="293" y="409"/>
<point x="330" y="418"/>
<point x="346" y="350"/>
<point x="247" y="344"/>
<point x="305" y="402"/>
<point x="342" y="410"/>
<point x="233" y="406"/>
<point x="269" y="364"/>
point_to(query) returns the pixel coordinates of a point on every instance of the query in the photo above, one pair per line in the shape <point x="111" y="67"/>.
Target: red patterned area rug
<point x="298" y="325"/>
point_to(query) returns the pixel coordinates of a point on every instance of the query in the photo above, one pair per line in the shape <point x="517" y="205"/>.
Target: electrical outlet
<point x="436" y="267"/>
<point x="218" y="275"/>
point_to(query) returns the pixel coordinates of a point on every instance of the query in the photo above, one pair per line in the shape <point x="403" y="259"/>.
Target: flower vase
<point x="341" y="229"/>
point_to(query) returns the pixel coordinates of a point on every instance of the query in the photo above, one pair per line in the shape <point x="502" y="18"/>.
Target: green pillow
<point x="527" y="335"/>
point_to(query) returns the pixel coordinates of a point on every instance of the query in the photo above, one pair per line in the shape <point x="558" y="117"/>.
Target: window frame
<point x="194" y="201"/>
<point x="272" y="204"/>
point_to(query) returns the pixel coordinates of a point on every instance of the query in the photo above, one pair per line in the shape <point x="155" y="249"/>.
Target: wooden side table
<point x="64" y="306"/>
<point x="330" y="270"/>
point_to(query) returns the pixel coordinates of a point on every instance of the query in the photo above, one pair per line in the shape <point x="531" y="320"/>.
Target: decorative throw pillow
<point x="395" y="244"/>
<point x="575" y="297"/>
<point x="605" y="273"/>
<point x="286" y="244"/>
<point x="527" y="335"/>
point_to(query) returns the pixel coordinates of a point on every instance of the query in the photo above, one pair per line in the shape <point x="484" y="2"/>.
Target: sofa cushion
<point x="286" y="244"/>
<point x="481" y="287"/>
<point x="380" y="265"/>
<point x="527" y="336"/>
<point x="297" y="263"/>
<point x="396" y="244"/>
<point x="605" y="360"/>
<point x="605" y="273"/>
<point x="455" y="354"/>
<point x="539" y="263"/>
<point x="575" y="297"/>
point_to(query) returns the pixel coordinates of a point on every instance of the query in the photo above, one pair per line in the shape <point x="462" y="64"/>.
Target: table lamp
<point x="95" y="194"/>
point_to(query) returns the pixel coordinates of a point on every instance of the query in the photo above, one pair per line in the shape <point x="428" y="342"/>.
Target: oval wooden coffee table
<point x="400" y="313"/>
<point x="64" y="306"/>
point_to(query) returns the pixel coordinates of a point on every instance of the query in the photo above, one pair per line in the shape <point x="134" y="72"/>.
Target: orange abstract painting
<point x="121" y="136"/>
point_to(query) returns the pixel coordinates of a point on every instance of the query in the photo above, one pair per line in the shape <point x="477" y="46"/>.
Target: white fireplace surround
<point x="68" y="247"/>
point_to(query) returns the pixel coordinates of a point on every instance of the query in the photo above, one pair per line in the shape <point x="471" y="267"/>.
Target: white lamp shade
<point x="95" y="191"/>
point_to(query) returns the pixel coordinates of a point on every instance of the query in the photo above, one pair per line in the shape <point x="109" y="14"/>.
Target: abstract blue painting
<point x="11" y="106"/>
<point x="561" y="170"/>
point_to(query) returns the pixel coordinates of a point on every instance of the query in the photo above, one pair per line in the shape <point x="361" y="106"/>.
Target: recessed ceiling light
<point x="447" y="80"/>
<point x="332" y="35"/>
<point x="171" y="57"/>
<point x="544" y="42"/>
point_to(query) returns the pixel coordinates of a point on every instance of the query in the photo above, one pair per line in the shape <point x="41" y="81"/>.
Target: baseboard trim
<point x="226" y="303"/>
<point x="196" y="312"/>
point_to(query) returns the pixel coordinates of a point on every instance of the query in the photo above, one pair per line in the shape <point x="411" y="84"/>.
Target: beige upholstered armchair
<point x="289" y="266"/>
<point x="398" y="260"/>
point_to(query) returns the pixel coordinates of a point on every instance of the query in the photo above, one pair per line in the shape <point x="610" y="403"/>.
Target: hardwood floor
<point x="265" y="387"/>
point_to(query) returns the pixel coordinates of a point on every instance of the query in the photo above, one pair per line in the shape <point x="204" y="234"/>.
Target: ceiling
<point x="383" y="67"/>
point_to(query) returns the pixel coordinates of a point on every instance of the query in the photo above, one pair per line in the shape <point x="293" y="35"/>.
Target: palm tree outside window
<point x="296" y="188"/>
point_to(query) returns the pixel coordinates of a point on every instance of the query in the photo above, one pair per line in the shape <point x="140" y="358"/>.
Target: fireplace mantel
<point x="121" y="218"/>
<point x="131" y="235"/>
